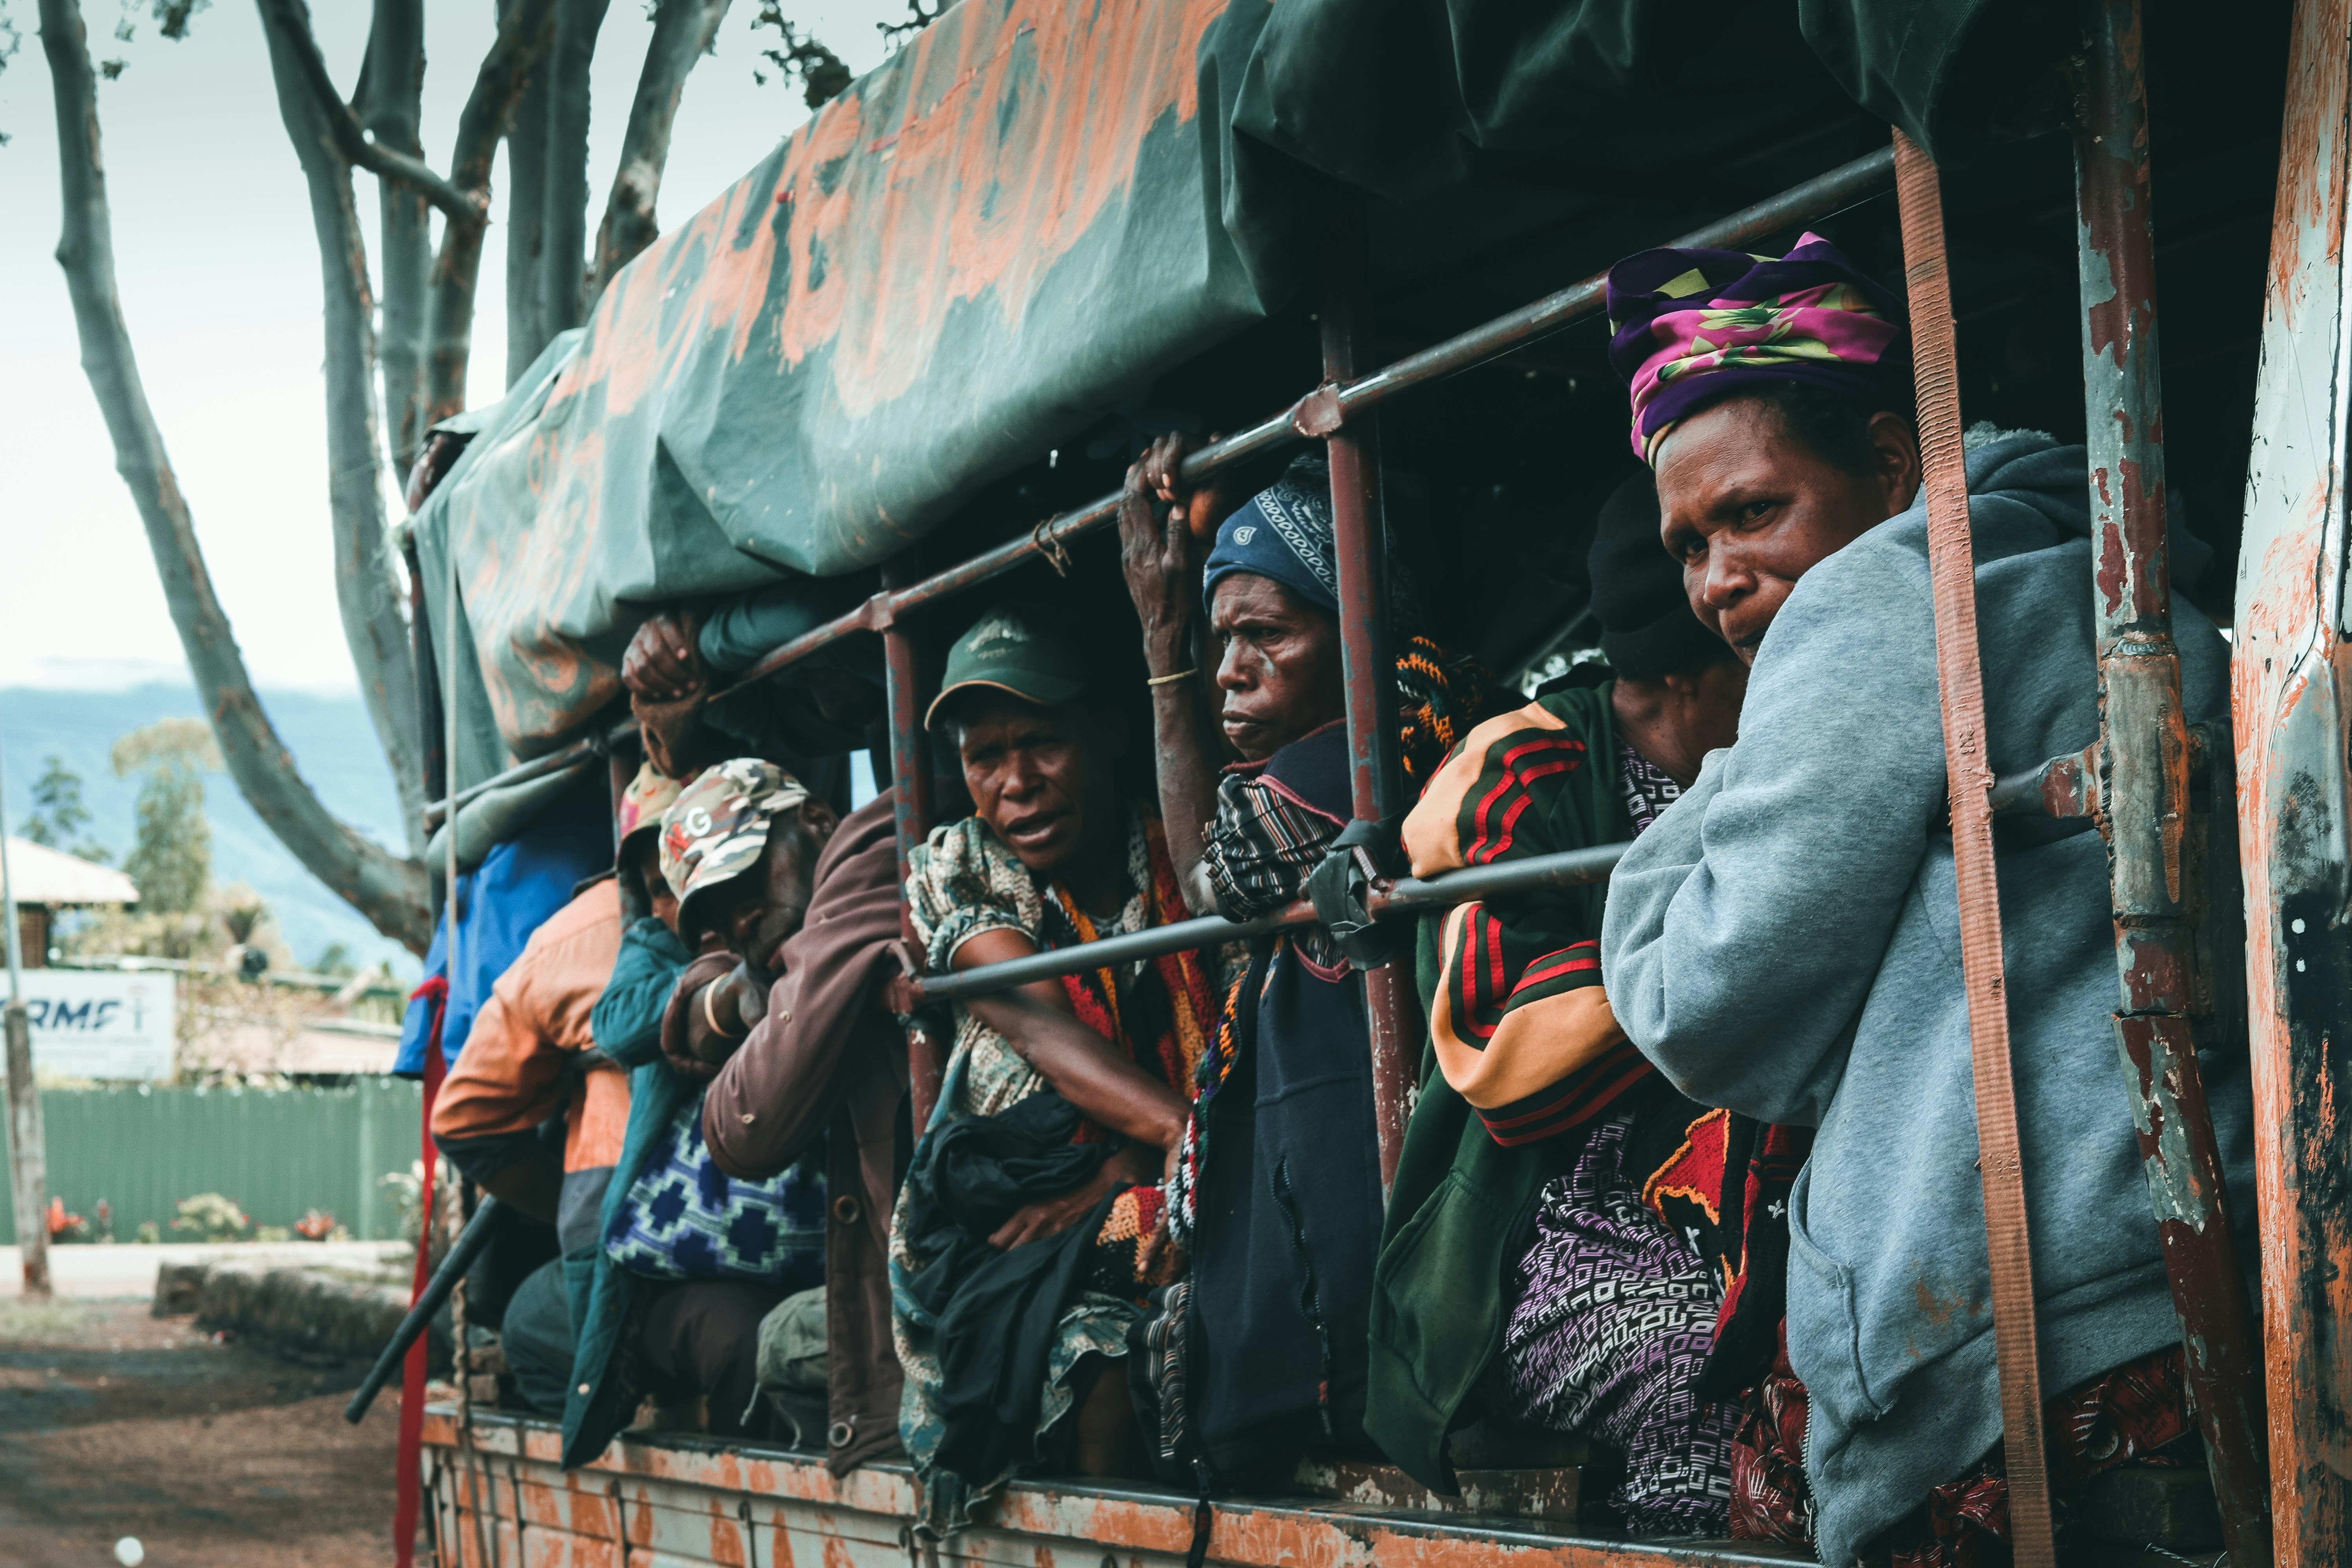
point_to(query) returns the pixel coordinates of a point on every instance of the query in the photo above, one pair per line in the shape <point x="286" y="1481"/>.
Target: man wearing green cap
<point x="1054" y="855"/>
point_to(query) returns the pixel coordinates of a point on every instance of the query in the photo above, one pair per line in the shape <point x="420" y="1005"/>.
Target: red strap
<point x="407" y="1468"/>
<point x="1951" y="566"/>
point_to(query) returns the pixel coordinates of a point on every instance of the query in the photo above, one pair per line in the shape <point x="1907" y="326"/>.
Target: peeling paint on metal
<point x="2290" y="736"/>
<point x="856" y="1520"/>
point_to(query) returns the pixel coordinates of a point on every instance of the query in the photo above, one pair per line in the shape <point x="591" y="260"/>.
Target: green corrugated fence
<point x="277" y="1153"/>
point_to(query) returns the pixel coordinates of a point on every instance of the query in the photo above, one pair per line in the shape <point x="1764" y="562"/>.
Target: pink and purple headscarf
<point x="1687" y="326"/>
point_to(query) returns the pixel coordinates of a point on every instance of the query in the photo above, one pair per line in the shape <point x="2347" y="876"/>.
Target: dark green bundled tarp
<point x="1014" y="225"/>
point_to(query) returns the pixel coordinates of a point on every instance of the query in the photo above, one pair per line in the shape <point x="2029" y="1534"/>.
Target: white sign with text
<point x="94" y="1024"/>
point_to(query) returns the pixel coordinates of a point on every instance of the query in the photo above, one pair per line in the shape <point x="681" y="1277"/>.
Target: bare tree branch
<point x="683" y="31"/>
<point x="388" y="890"/>
<point x="293" y="18"/>
<point x="563" y="276"/>
<point x="390" y="103"/>
<point x="825" y="75"/>
<point x="367" y="588"/>
<point x="526" y="204"/>
<point x="524" y="29"/>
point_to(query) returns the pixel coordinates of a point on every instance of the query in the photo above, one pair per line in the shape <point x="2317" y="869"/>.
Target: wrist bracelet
<point x="1180" y="675"/>
<point x="711" y="1018"/>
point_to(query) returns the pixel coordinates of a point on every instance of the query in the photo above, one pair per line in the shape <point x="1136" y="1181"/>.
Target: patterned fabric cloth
<point x="1264" y="840"/>
<point x="1183" y="1189"/>
<point x="1648" y="788"/>
<point x="1615" y="1319"/>
<point x="685" y="1219"/>
<point x="1519" y="1025"/>
<point x="2137" y="1414"/>
<point x="1162" y="1013"/>
<point x="1267" y="837"/>
<point x="1686" y="324"/>
<point x="1721" y="1180"/>
<point x="1440" y="696"/>
<point x="1282" y="533"/>
<point x="965" y="881"/>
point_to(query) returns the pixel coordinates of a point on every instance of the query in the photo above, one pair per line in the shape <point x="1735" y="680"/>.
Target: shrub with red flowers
<point x="65" y="1228"/>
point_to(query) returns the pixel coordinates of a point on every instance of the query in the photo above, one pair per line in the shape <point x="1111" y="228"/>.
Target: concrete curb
<point x="303" y="1315"/>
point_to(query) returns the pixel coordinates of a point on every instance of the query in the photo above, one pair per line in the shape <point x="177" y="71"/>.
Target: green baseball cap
<point x="1006" y="650"/>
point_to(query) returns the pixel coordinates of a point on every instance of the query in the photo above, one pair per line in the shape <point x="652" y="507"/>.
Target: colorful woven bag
<point x="685" y="1219"/>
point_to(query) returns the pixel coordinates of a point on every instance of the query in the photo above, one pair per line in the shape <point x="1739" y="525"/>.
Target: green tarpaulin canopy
<point x="1029" y="213"/>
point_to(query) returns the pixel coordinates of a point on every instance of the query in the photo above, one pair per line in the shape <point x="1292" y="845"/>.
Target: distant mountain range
<point x="333" y="744"/>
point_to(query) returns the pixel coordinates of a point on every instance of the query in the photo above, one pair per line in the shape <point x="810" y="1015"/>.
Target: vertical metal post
<point x="1951" y="565"/>
<point x="621" y="771"/>
<point x="364" y="1208"/>
<point x="910" y="795"/>
<point x="451" y="905"/>
<point x="2144" y="774"/>
<point x="1359" y="538"/>
<point x="2291" y="701"/>
<point x="29" y="1172"/>
<point x="428" y="676"/>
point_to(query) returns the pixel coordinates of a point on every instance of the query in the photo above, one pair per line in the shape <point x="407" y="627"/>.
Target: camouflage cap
<point x="718" y="827"/>
<point x="648" y="796"/>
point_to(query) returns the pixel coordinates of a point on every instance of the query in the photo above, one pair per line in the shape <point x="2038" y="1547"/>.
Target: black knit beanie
<point x="1647" y="629"/>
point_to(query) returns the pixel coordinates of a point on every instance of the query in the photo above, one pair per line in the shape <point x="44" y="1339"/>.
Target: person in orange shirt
<point x="522" y="1066"/>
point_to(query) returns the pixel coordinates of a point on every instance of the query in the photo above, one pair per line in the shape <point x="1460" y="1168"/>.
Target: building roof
<point x="51" y="877"/>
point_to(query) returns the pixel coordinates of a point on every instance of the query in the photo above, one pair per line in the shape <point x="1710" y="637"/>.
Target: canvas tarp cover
<point x="1012" y="219"/>
<point x="1015" y="224"/>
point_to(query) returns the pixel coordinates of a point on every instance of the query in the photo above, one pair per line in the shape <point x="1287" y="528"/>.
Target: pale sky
<point x="219" y="275"/>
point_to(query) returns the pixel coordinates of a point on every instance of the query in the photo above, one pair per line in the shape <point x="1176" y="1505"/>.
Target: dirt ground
<point x="115" y="1424"/>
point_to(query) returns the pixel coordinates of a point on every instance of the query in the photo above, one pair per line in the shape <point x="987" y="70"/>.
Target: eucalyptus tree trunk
<point x="683" y="31"/>
<point x="525" y="27"/>
<point x="563" y="264"/>
<point x="526" y="205"/>
<point x="390" y="102"/>
<point x="547" y="198"/>
<point x="367" y="588"/>
<point x="389" y="890"/>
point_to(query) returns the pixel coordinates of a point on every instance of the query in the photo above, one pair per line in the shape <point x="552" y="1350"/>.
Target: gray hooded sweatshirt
<point x="1785" y="942"/>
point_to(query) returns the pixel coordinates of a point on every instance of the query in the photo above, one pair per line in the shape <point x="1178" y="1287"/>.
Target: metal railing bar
<point x="1409" y="895"/>
<point x="1819" y="197"/>
<point x="555" y="761"/>
<point x="1316" y="414"/>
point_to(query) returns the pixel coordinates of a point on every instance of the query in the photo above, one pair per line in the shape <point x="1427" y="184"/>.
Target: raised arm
<point x="1164" y="576"/>
<point x="1082" y="1066"/>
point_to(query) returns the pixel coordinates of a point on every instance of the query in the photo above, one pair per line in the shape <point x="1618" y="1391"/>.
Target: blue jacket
<point x="627" y="1025"/>
<point x="519" y="884"/>
<point x="1785" y="942"/>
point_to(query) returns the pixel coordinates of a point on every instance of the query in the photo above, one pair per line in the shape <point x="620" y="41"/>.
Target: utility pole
<point x="28" y="1173"/>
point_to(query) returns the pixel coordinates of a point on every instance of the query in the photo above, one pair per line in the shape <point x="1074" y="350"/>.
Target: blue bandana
<point x="1282" y="533"/>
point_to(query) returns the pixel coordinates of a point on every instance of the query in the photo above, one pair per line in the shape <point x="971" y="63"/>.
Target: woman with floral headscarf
<point x="1782" y="943"/>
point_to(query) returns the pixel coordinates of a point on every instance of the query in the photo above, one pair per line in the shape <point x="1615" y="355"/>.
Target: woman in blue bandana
<point x="1276" y="1199"/>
